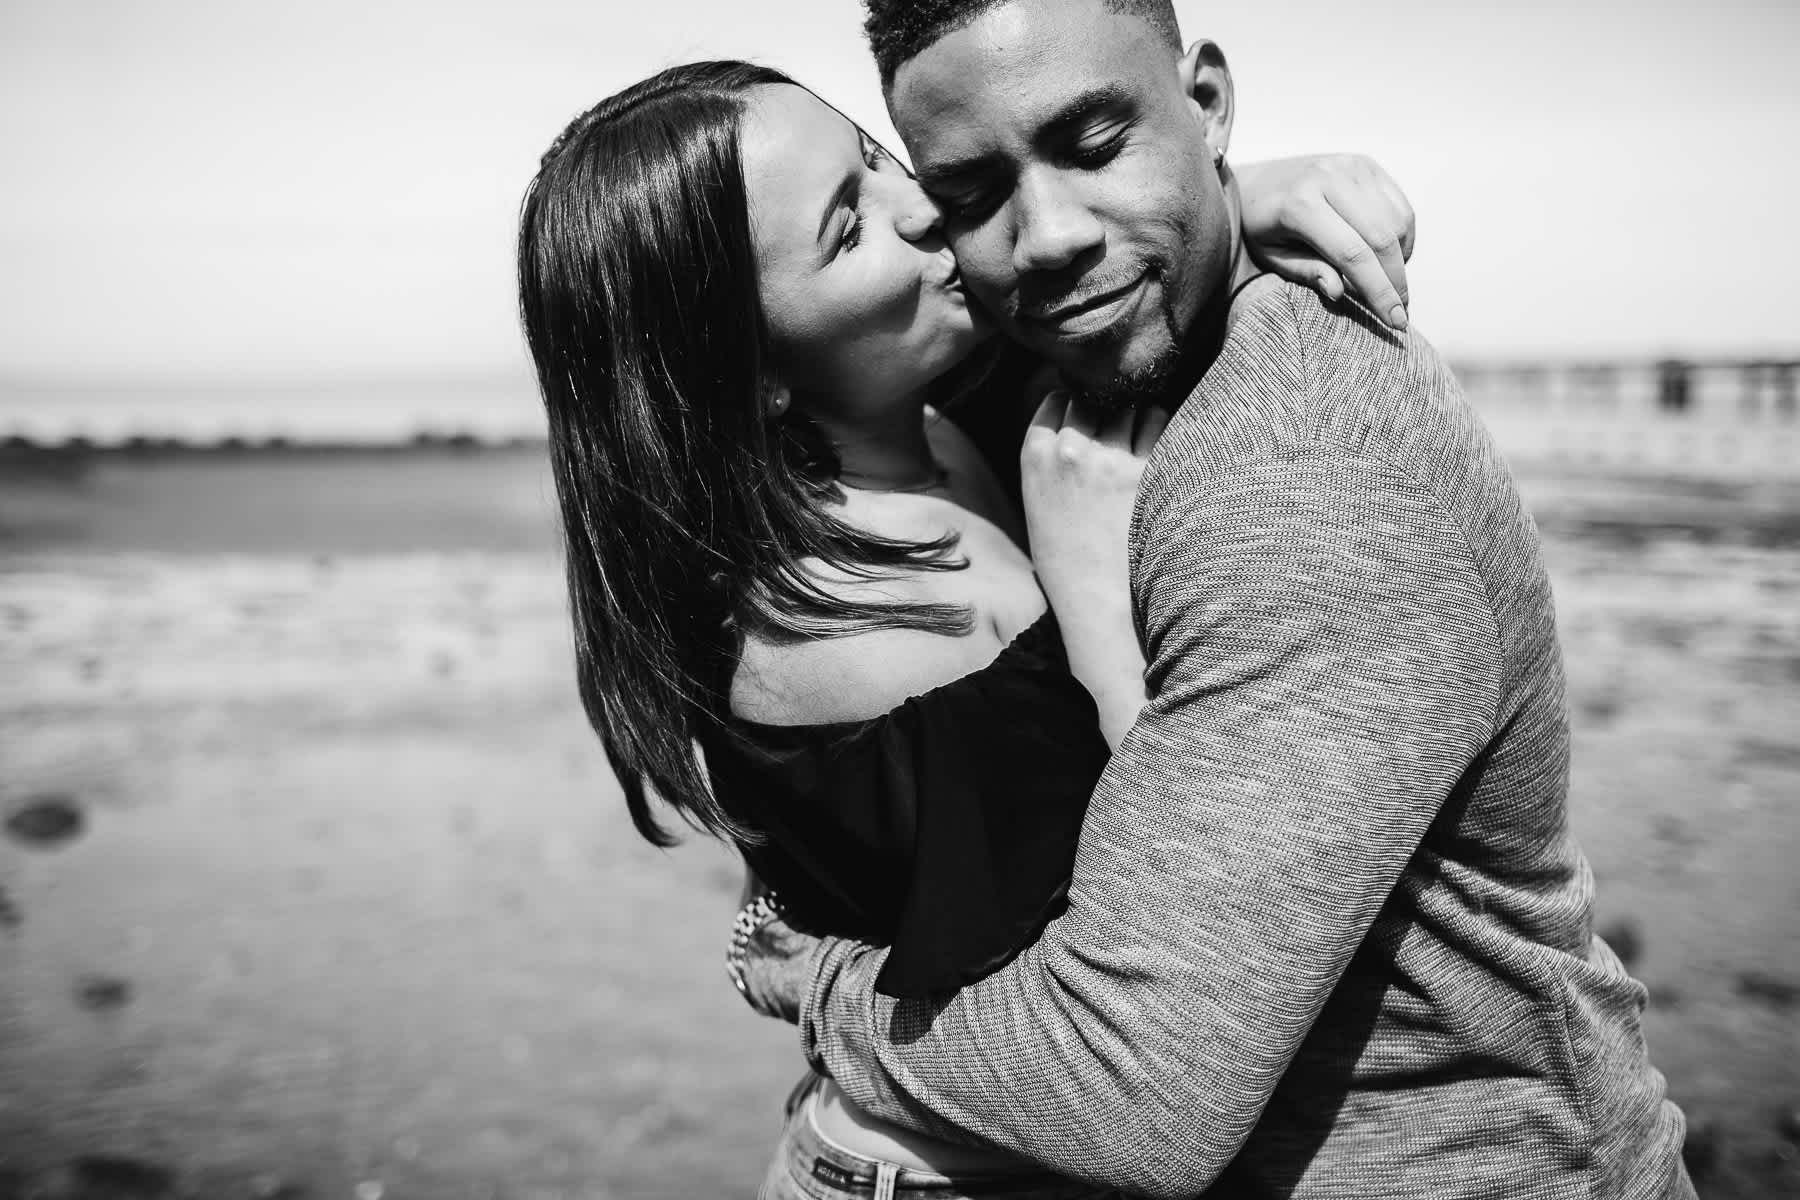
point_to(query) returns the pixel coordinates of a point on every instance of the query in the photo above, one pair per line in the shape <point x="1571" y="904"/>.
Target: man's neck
<point x="1206" y="334"/>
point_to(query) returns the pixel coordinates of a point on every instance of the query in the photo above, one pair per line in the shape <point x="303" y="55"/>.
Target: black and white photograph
<point x="883" y="599"/>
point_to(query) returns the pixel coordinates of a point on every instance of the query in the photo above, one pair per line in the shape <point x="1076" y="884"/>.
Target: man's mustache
<point x="1047" y="299"/>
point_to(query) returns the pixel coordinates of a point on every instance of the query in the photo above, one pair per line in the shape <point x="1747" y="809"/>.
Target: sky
<point x="218" y="189"/>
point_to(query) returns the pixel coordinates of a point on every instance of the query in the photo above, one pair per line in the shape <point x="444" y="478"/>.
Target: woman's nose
<point x="915" y="216"/>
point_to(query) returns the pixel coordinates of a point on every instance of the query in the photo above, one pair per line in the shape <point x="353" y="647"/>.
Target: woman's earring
<point x="778" y="405"/>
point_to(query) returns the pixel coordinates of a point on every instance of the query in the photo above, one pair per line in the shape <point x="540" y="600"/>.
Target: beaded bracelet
<point x="750" y="918"/>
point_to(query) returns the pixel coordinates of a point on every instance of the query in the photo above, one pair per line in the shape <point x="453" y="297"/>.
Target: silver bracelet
<point x="750" y="918"/>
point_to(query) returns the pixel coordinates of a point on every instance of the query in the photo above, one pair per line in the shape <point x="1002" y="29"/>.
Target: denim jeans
<point x="808" y="1167"/>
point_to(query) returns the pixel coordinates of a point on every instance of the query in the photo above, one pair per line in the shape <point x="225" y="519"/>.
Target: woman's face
<point x="860" y="291"/>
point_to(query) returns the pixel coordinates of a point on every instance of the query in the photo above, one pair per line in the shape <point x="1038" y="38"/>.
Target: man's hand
<point x="777" y="969"/>
<point x="1331" y="221"/>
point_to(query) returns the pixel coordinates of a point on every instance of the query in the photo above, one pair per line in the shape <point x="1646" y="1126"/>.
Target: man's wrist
<point x="824" y="963"/>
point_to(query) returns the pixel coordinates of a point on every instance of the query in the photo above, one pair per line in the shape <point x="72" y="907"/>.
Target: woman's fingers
<point x="1116" y="426"/>
<point x="1150" y="426"/>
<point x="1374" y="208"/>
<point x="1409" y="231"/>
<point x="1050" y="410"/>
<point x="1369" y="264"/>
<point x="1083" y="417"/>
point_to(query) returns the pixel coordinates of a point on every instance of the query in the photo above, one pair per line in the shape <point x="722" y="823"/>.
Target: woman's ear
<point x="1206" y="81"/>
<point x="777" y="399"/>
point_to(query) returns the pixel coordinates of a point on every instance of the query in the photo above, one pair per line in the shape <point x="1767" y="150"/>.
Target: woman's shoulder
<point x="855" y="677"/>
<point x="784" y="680"/>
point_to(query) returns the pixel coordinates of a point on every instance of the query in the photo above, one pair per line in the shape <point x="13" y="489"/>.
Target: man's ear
<point x="1206" y="81"/>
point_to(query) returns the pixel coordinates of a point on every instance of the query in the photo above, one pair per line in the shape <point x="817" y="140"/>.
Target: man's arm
<point x="1324" y="663"/>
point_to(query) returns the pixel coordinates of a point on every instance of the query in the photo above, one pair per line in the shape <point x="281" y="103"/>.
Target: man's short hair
<point x="900" y="29"/>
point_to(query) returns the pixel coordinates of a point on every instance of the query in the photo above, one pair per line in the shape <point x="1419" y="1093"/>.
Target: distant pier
<point x="1730" y="416"/>
<point x="1734" y="417"/>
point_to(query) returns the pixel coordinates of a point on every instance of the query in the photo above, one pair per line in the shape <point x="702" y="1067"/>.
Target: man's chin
<point x="1121" y="377"/>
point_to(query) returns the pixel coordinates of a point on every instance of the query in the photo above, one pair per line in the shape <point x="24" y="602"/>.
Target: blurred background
<point x="313" y="881"/>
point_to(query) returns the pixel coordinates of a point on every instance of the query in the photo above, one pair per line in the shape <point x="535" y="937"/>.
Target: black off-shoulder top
<point x="945" y="828"/>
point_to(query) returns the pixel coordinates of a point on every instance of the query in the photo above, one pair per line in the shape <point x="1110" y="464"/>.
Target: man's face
<point x="1079" y="195"/>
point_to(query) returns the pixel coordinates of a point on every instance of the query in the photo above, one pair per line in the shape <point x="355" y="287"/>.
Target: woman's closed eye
<point x="876" y="158"/>
<point x="853" y="231"/>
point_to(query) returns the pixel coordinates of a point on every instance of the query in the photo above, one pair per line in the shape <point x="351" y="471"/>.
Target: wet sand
<point x="313" y="882"/>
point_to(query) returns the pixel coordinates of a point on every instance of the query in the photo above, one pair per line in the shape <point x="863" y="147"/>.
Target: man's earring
<point x="1218" y="158"/>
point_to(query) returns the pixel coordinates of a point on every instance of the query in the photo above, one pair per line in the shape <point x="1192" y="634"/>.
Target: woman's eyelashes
<point x="872" y="152"/>
<point x="853" y="231"/>
<point x="875" y="158"/>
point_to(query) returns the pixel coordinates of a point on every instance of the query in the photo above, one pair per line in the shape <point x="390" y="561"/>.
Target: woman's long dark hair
<point x="686" y="509"/>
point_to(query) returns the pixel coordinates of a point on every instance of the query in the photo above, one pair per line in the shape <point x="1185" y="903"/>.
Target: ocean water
<point x="351" y="501"/>
<point x="497" y="407"/>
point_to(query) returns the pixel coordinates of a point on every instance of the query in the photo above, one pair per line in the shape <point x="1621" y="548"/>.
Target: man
<point x="1328" y="934"/>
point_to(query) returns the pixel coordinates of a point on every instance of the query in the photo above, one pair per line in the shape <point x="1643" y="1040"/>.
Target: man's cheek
<point x="985" y="263"/>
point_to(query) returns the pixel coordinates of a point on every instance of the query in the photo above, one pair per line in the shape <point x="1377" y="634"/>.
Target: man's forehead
<point x="1014" y="69"/>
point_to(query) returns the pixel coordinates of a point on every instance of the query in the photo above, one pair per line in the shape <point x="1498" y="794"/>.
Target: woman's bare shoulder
<point x="851" y="678"/>
<point x="785" y="681"/>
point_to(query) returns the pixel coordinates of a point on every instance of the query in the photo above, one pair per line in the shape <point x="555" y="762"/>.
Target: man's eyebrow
<point x="1080" y="108"/>
<point x="844" y="194"/>
<point x="1084" y="107"/>
<point x="936" y="174"/>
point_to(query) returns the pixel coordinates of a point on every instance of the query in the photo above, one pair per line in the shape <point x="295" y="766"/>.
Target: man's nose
<point x="1052" y="226"/>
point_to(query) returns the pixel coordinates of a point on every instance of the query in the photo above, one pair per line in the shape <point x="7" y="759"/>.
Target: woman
<point x="742" y="311"/>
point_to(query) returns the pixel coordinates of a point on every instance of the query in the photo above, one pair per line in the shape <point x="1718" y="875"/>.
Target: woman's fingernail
<point x="1397" y="316"/>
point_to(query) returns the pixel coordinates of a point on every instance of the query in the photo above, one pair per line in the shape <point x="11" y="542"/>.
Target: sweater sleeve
<point x="1325" y="666"/>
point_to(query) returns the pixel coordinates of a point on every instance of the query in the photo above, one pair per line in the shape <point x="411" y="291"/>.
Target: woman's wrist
<point x="1101" y="644"/>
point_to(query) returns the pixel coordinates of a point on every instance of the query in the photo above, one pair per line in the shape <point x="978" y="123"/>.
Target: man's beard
<point x="1146" y="384"/>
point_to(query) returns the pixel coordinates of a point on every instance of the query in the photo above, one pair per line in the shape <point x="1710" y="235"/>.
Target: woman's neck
<point x="884" y="451"/>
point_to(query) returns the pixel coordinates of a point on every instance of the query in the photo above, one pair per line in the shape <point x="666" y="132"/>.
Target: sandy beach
<point x="314" y="882"/>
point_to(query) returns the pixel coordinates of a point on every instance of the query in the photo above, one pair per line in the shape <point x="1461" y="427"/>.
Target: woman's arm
<point x="1080" y="470"/>
<point x="1336" y="223"/>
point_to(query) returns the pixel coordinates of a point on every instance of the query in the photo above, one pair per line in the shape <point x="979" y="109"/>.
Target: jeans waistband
<point x="812" y="1155"/>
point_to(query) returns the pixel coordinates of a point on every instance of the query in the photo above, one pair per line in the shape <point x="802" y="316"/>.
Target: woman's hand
<point x="1330" y="221"/>
<point x="1080" y="469"/>
<point x="768" y="959"/>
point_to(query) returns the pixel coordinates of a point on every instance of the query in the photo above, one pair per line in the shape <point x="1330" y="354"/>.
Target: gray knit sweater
<point x="1329" y="934"/>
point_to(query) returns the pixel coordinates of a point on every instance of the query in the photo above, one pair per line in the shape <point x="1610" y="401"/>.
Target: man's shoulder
<point x="1296" y="370"/>
<point x="1278" y="328"/>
